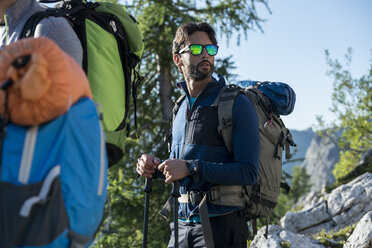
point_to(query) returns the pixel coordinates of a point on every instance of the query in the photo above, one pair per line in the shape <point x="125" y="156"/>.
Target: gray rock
<point x="343" y="207"/>
<point x="273" y="240"/>
<point x="298" y="221"/>
<point x="278" y="235"/>
<point x="362" y="234"/>
<point x="345" y="196"/>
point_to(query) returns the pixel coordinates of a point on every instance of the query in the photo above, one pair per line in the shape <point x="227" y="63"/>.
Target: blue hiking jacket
<point x="195" y="137"/>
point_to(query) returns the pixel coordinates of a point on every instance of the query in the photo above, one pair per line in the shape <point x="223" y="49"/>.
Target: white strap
<point x="102" y="161"/>
<point x="45" y="188"/>
<point x="184" y="198"/>
<point x="27" y="155"/>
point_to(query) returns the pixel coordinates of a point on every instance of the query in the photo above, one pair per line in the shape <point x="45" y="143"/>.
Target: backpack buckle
<point x="195" y="197"/>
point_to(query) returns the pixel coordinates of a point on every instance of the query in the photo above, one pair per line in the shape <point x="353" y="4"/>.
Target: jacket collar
<point x="217" y="80"/>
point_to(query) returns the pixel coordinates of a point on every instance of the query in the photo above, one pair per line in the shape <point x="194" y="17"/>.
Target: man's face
<point x="201" y="66"/>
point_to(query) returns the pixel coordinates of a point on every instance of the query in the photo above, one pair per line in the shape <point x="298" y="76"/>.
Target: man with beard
<point x="199" y="158"/>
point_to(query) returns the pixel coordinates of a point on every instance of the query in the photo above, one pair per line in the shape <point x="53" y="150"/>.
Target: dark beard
<point x="195" y="74"/>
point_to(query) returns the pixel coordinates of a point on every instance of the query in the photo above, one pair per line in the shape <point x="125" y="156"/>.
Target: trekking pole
<point x="175" y="194"/>
<point x="148" y="190"/>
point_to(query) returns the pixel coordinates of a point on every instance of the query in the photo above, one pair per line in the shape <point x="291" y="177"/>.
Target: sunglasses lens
<point x="196" y="49"/>
<point x="211" y="49"/>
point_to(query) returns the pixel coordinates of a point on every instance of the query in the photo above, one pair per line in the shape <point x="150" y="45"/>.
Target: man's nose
<point x="204" y="52"/>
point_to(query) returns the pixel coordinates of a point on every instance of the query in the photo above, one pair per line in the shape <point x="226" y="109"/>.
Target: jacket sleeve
<point x="243" y="169"/>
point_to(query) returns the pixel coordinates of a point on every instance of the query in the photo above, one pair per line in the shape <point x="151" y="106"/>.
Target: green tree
<point x="300" y="184"/>
<point x="158" y="22"/>
<point x="352" y="106"/>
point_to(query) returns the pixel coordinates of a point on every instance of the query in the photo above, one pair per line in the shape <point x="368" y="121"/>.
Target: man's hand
<point x="173" y="170"/>
<point x="146" y="165"/>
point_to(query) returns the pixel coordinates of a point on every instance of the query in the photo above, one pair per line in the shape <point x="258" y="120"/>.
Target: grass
<point x="335" y="239"/>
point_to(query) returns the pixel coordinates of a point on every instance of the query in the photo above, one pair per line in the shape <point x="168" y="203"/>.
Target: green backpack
<point x="112" y="48"/>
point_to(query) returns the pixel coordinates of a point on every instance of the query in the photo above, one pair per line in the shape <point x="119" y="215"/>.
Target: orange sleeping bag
<point x="42" y="89"/>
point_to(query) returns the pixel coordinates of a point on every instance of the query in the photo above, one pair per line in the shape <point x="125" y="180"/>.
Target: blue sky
<point x="292" y="50"/>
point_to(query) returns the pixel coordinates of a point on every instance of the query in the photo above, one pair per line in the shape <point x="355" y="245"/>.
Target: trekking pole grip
<point x="176" y="189"/>
<point x="148" y="185"/>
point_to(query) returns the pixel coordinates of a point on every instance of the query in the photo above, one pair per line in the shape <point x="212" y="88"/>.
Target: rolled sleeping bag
<point x="43" y="87"/>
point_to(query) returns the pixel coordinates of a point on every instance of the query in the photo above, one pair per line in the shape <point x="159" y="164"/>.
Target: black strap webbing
<point x="263" y="201"/>
<point x="30" y="26"/>
<point x="254" y="226"/>
<point x="285" y="186"/>
<point x="267" y="227"/>
<point x="77" y="240"/>
<point x="206" y="224"/>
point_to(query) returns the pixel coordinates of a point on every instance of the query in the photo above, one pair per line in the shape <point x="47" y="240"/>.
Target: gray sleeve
<point x="59" y="30"/>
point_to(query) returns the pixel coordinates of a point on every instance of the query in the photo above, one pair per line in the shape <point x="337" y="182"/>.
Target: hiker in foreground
<point x="199" y="158"/>
<point x="15" y="13"/>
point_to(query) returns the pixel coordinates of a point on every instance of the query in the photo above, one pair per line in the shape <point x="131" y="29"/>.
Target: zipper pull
<point x="113" y="25"/>
<point x="115" y="29"/>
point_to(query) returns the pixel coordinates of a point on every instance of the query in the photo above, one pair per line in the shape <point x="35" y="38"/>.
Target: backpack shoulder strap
<point x="177" y="105"/>
<point x="30" y="25"/>
<point x="168" y="136"/>
<point x="225" y="102"/>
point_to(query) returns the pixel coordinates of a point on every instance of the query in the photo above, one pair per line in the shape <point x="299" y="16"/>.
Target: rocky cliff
<point x="303" y="140"/>
<point x="320" y="158"/>
<point x="346" y="205"/>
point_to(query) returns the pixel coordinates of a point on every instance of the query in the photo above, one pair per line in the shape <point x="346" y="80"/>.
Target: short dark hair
<point x="187" y="29"/>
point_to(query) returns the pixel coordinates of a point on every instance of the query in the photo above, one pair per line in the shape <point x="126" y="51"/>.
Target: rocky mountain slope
<point x="320" y="158"/>
<point x="303" y="140"/>
<point x="346" y="205"/>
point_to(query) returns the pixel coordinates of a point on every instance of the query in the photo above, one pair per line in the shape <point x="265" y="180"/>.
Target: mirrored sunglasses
<point x="197" y="49"/>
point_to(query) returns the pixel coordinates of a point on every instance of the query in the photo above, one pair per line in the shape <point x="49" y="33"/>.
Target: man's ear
<point x="177" y="60"/>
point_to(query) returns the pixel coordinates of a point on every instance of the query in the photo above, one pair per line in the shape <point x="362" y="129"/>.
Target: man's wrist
<point x="192" y="169"/>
